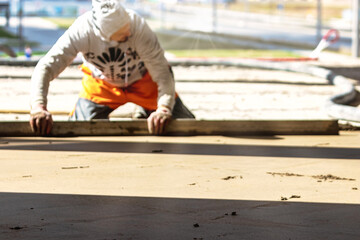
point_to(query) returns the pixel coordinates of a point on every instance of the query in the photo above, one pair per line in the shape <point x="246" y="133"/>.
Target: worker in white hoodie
<point x="123" y="62"/>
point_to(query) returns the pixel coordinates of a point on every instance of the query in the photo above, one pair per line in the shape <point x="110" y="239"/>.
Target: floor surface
<point x="203" y="187"/>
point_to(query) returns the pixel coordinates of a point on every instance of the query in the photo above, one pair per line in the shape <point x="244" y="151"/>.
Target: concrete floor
<point x="203" y="187"/>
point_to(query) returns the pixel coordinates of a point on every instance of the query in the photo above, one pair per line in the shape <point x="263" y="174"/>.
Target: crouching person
<point x="122" y="62"/>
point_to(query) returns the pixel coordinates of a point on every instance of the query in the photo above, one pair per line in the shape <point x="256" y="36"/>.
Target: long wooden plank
<point x="179" y="127"/>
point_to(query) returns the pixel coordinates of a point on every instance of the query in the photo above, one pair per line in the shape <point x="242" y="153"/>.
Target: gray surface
<point x="126" y="188"/>
<point x="57" y="216"/>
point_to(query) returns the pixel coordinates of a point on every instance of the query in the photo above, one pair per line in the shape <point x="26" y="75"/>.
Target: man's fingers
<point x="41" y="124"/>
<point x="33" y="124"/>
<point x="49" y="125"/>
<point x="156" y="124"/>
<point x="38" y="125"/>
<point x="162" y="124"/>
<point x="150" y="124"/>
<point x="46" y="125"/>
<point x="166" y="122"/>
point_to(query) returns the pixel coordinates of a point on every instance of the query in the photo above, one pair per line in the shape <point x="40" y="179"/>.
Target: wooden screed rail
<point x="178" y="128"/>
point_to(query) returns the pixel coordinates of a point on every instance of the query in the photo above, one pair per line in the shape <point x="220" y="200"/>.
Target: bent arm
<point x="49" y="67"/>
<point x="155" y="62"/>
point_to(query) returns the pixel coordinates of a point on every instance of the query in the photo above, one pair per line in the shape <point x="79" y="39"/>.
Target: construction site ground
<point x="196" y="187"/>
<point x="210" y="92"/>
<point x="200" y="187"/>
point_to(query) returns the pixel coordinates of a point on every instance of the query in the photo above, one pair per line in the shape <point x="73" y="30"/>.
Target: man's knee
<point x="88" y="110"/>
<point x="180" y="110"/>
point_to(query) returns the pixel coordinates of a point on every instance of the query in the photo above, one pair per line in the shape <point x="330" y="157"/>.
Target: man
<point x="123" y="62"/>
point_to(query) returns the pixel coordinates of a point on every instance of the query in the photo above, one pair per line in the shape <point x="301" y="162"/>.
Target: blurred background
<point x="196" y="27"/>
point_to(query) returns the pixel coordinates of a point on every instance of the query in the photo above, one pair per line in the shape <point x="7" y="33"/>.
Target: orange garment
<point x="143" y="92"/>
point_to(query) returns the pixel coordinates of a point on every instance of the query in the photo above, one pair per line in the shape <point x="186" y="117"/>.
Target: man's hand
<point x="158" y="120"/>
<point x="41" y="120"/>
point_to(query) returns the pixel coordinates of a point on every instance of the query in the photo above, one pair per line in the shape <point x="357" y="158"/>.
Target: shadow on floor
<point x="58" y="216"/>
<point x="180" y="148"/>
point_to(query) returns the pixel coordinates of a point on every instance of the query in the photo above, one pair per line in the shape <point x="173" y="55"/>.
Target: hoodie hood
<point x="108" y="17"/>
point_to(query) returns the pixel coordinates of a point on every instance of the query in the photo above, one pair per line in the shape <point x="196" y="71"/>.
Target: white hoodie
<point x="120" y="64"/>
